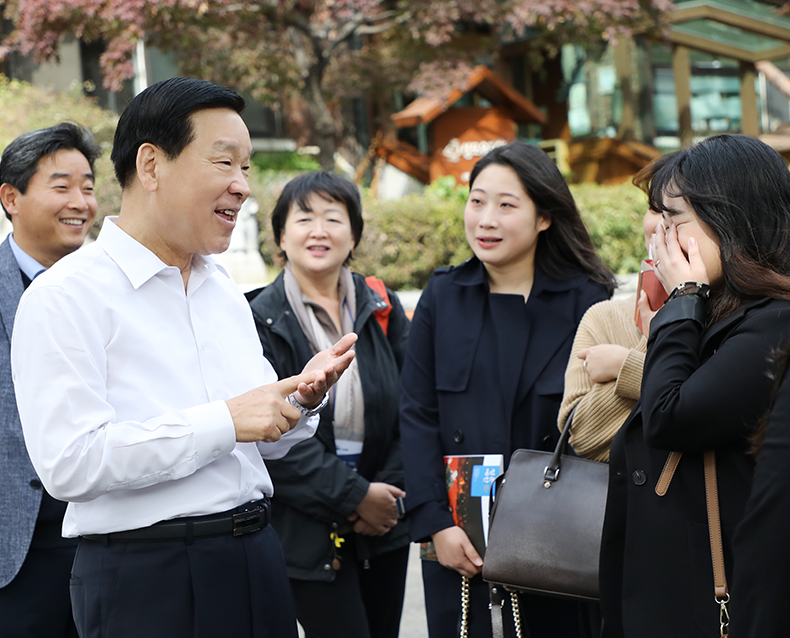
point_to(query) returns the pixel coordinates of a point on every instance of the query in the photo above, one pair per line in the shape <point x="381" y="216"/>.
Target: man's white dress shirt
<point x="121" y="379"/>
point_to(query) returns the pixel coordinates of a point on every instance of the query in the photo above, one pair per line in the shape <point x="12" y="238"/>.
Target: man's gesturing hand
<point x="328" y="365"/>
<point x="264" y="414"/>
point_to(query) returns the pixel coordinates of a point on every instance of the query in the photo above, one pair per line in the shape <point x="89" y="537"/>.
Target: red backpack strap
<point x="382" y="314"/>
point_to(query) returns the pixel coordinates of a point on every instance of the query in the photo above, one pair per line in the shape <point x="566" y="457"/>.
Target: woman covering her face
<point x="485" y="360"/>
<point x="722" y="252"/>
<point x="336" y="508"/>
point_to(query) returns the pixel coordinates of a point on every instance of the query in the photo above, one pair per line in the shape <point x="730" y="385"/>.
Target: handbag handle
<point x="552" y="471"/>
<point x="721" y="590"/>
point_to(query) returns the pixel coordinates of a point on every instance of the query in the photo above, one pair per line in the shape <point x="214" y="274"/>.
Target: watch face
<point x="692" y="288"/>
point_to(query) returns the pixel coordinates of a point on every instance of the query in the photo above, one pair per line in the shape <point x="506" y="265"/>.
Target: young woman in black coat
<point x="334" y="506"/>
<point x="485" y="364"/>
<point x="723" y="256"/>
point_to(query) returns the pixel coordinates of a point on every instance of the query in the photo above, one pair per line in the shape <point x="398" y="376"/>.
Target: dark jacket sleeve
<point x="317" y="483"/>
<point x="691" y="405"/>
<point x="760" y="587"/>
<point x="426" y="495"/>
<point x="391" y="470"/>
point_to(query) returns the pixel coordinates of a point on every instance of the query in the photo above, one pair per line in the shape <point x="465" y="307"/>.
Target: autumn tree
<point x="273" y="48"/>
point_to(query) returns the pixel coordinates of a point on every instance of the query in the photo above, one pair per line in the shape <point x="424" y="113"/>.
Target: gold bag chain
<point x="465" y="609"/>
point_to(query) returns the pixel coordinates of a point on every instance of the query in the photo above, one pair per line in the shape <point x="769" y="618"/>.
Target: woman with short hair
<point x="335" y="507"/>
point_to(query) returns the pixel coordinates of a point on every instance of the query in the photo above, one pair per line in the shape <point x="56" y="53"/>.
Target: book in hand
<point x="468" y="479"/>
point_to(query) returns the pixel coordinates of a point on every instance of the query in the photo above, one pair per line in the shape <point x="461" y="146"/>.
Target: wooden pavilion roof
<point x="740" y="29"/>
<point x="483" y="81"/>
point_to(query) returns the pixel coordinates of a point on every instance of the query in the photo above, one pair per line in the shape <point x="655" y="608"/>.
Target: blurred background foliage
<point x="404" y="240"/>
<point x="25" y="108"/>
<point x="289" y="161"/>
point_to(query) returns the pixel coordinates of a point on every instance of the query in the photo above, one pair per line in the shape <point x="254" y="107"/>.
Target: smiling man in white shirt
<point x="144" y="396"/>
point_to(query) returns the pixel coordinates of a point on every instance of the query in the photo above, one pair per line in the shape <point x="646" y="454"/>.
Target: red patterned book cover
<point x="468" y="479"/>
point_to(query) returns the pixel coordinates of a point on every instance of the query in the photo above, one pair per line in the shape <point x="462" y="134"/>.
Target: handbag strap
<point x="716" y="544"/>
<point x="552" y="471"/>
<point x="668" y="472"/>
<point x="721" y="591"/>
<point x="497" y="597"/>
<point x="464" y="625"/>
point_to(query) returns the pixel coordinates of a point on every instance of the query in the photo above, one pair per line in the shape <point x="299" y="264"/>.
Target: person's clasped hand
<point x="603" y="362"/>
<point x="377" y="513"/>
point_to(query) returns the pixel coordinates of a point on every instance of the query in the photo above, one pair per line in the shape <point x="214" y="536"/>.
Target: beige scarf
<point x="346" y="398"/>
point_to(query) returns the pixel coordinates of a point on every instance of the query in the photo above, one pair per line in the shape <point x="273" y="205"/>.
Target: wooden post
<point x="750" y="119"/>
<point x="681" y="66"/>
<point x="623" y="51"/>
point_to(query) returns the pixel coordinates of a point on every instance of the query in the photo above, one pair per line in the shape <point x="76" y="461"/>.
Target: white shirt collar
<point x="26" y="263"/>
<point x="139" y="263"/>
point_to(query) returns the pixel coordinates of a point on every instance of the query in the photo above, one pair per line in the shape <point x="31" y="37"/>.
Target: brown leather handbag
<point x="546" y="526"/>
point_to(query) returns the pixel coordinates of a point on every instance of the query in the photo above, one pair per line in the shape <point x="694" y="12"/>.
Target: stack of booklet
<point x="469" y="479"/>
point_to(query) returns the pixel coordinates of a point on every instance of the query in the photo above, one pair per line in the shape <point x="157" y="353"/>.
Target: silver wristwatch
<point x="308" y="411"/>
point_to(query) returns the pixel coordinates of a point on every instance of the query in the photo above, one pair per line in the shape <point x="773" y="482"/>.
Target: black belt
<point x="246" y="519"/>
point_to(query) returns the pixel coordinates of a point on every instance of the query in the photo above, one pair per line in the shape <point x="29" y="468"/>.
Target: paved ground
<point x="413" y="624"/>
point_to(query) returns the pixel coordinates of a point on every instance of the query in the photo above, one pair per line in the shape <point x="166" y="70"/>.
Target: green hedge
<point x="613" y="216"/>
<point x="405" y="240"/>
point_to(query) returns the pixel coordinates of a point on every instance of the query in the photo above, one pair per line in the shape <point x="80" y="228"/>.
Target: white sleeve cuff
<point x="214" y="434"/>
<point x="301" y="432"/>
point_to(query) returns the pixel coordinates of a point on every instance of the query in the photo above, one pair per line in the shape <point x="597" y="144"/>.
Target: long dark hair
<point x="740" y="188"/>
<point x="566" y="243"/>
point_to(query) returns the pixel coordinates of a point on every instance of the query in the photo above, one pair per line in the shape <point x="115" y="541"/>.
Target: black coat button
<point x="35" y="484"/>
<point x="547" y="439"/>
<point x="639" y="476"/>
<point x="458" y="436"/>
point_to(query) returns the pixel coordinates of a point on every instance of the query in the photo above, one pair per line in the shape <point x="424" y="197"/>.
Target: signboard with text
<point x="461" y="136"/>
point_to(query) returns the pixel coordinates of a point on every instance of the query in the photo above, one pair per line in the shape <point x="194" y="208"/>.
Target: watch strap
<point x="308" y="412"/>
<point x="690" y="288"/>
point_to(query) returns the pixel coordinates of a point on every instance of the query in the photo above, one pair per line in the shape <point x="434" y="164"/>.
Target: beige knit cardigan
<point x="603" y="407"/>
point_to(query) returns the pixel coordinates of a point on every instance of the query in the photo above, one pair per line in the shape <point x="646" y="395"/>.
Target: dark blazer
<point x="443" y="413"/>
<point x="701" y="390"/>
<point x="314" y="491"/>
<point x="21" y="491"/>
<point x="760" y="585"/>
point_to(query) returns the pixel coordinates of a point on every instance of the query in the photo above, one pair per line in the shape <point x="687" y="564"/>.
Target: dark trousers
<point x="207" y="588"/>
<point x="541" y="616"/>
<point x="36" y="603"/>
<point x="360" y="603"/>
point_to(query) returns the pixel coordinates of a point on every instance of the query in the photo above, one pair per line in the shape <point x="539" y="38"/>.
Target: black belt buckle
<point x="247" y="522"/>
